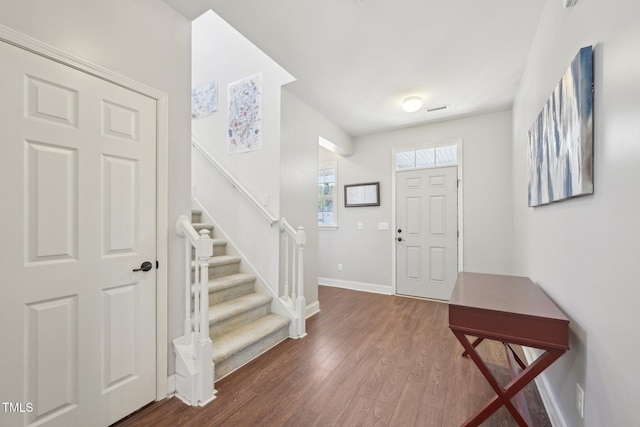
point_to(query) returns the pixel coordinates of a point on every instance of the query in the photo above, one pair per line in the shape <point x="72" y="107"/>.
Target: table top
<point x="507" y="308"/>
<point x="512" y="294"/>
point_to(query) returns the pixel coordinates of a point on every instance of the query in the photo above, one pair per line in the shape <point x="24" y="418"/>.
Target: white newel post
<point x="194" y="351"/>
<point x="204" y="250"/>
<point x="300" y="304"/>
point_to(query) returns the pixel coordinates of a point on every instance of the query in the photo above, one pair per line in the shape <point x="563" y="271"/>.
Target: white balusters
<point x="286" y="265"/>
<point x="294" y="273"/>
<point x="300" y="304"/>
<point x="204" y="250"/>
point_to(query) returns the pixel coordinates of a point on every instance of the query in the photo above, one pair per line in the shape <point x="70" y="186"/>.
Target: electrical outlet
<point x="580" y="400"/>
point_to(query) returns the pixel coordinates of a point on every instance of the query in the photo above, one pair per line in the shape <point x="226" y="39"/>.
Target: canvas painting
<point x="204" y="100"/>
<point x="245" y="115"/>
<point x="561" y="138"/>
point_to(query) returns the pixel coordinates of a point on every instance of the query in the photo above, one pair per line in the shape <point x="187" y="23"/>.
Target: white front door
<point x="427" y="232"/>
<point x="78" y="181"/>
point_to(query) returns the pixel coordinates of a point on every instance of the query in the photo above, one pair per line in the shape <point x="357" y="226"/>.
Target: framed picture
<point x="367" y="194"/>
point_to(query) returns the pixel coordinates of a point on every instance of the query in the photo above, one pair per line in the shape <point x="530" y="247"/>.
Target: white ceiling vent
<point x="570" y="3"/>
<point x="439" y="108"/>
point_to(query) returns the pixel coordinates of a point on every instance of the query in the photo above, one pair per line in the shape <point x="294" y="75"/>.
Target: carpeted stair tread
<point x="241" y="324"/>
<point x="219" y="247"/>
<point x="240" y="338"/>
<point x="215" y="261"/>
<point x="226" y="282"/>
<point x="219" y="242"/>
<point x="236" y="306"/>
<point x="202" y="226"/>
<point x="196" y="216"/>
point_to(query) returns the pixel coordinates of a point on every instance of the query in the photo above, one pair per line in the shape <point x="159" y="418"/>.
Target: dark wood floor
<point x="367" y="360"/>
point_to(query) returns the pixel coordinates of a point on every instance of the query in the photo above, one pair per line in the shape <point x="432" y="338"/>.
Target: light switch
<point x="359" y="226"/>
<point x="383" y="226"/>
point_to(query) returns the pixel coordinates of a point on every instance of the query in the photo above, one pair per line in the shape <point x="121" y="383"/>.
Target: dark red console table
<point x="512" y="310"/>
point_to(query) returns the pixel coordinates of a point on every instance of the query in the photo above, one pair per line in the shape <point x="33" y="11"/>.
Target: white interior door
<point x="427" y="232"/>
<point x="79" y="214"/>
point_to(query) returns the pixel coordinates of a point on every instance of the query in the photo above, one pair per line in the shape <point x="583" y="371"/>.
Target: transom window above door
<point x="432" y="157"/>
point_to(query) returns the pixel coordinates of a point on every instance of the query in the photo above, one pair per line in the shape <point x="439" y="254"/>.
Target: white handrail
<point x="185" y="229"/>
<point x="234" y="182"/>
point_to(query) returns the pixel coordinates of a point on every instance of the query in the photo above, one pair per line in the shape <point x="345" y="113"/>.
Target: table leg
<point x="503" y="395"/>
<point x="516" y="356"/>
<point x="474" y="345"/>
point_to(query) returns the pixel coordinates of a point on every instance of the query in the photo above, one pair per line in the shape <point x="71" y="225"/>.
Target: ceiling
<point x="356" y="60"/>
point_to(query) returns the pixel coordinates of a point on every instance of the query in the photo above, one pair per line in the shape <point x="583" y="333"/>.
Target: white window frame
<point x="334" y="166"/>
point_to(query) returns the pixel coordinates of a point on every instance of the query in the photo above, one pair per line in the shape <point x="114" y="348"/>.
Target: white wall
<point x="221" y="53"/>
<point x="301" y="127"/>
<point x="582" y="252"/>
<point x="366" y="255"/>
<point x="144" y="40"/>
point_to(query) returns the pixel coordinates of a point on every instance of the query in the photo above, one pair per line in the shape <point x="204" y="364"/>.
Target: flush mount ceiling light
<point x="412" y="104"/>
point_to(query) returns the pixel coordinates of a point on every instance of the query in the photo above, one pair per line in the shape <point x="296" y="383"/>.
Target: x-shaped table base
<point x="517" y="383"/>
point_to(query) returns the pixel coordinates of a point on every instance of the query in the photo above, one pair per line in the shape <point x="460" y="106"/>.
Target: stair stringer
<point x="278" y="306"/>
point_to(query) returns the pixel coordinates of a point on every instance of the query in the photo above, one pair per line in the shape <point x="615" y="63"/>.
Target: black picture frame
<point x="360" y="195"/>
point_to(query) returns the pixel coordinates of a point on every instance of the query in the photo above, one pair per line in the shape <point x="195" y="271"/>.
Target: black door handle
<point x="399" y="239"/>
<point x="399" y="230"/>
<point x="145" y="266"/>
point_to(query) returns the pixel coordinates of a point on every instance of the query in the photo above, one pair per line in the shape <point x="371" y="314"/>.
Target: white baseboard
<point x="312" y="309"/>
<point x="356" y="286"/>
<point x="546" y="394"/>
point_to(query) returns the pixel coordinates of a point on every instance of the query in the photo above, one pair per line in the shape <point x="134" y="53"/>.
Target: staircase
<point x="241" y="324"/>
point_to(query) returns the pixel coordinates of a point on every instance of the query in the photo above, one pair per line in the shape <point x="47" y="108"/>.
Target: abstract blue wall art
<point x="561" y="138"/>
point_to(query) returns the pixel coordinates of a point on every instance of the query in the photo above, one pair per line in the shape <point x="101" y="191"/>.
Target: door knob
<point x="399" y="239"/>
<point x="145" y="266"/>
<point x="399" y="230"/>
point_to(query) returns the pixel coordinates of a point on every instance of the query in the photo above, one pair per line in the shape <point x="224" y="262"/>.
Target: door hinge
<point x="157" y="264"/>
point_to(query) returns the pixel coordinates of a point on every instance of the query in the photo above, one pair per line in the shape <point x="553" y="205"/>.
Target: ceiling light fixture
<point x="412" y="104"/>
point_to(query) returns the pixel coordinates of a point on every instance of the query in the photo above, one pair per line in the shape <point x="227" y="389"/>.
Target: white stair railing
<point x="194" y="350"/>
<point x="292" y="299"/>
<point x="293" y="292"/>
